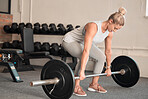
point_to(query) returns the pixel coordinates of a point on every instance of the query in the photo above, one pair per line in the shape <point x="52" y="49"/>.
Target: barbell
<point x="58" y="81"/>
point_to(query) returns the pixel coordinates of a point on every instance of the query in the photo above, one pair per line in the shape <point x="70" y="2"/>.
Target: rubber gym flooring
<point x="12" y="90"/>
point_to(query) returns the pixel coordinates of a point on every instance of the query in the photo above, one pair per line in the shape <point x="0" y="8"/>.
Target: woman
<point x="81" y="43"/>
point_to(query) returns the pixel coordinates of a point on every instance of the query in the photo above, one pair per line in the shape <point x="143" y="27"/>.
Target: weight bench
<point x="28" y="46"/>
<point x="6" y="59"/>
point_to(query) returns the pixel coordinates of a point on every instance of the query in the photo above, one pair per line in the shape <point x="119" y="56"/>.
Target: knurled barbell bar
<point x="58" y="81"/>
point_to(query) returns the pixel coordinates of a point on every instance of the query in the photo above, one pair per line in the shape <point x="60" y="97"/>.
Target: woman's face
<point x="112" y="27"/>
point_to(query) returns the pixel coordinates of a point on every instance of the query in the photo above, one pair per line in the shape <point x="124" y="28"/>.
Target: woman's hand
<point x="108" y="71"/>
<point x="82" y="75"/>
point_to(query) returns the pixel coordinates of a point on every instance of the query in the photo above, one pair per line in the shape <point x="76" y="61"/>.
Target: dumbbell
<point x="54" y="49"/>
<point x="15" y="44"/>
<point x="61" y="29"/>
<point x="69" y="27"/>
<point x="37" y="46"/>
<point x="52" y="28"/>
<point x="6" y="28"/>
<point x="20" y="45"/>
<point x="36" y="29"/>
<point x="28" y="25"/>
<point x="6" y="45"/>
<point x="13" y="28"/>
<point x="45" y="46"/>
<point x="44" y="29"/>
<point x="21" y="27"/>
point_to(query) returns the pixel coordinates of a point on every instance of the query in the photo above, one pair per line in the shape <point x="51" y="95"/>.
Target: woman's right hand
<point x="82" y="75"/>
<point x="108" y="71"/>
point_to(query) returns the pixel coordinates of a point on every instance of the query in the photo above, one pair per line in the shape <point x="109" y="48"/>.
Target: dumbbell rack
<point x="52" y="39"/>
<point x="58" y="38"/>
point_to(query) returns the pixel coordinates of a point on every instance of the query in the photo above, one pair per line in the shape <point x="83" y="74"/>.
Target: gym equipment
<point x="28" y="25"/>
<point x="15" y="44"/>
<point x="6" y="45"/>
<point x="21" y="27"/>
<point x="60" y="70"/>
<point x="58" y="80"/>
<point x="53" y="29"/>
<point x="54" y="49"/>
<point x="6" y="28"/>
<point x="13" y="28"/>
<point x="36" y="29"/>
<point x="69" y="27"/>
<point x="5" y="60"/>
<point x="45" y="46"/>
<point x="37" y="46"/>
<point x="20" y="45"/>
<point x="29" y="48"/>
<point x="131" y="76"/>
<point x="61" y="29"/>
<point x="44" y="29"/>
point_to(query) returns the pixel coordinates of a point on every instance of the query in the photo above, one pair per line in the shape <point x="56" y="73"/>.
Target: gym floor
<point x="12" y="90"/>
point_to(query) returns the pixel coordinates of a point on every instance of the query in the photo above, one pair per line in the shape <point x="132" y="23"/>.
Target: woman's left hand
<point x="108" y="71"/>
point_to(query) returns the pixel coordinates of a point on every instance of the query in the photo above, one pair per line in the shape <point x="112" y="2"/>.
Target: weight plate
<point x="131" y="77"/>
<point x="64" y="89"/>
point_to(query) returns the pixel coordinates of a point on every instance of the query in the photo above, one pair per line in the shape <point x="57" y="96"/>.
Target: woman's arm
<point x="91" y="30"/>
<point x="108" y="52"/>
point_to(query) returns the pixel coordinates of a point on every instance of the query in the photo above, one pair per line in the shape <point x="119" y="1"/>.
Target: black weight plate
<point x="64" y="89"/>
<point x="131" y="77"/>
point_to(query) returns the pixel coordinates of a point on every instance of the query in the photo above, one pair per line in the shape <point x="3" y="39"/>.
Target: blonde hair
<point x="118" y="17"/>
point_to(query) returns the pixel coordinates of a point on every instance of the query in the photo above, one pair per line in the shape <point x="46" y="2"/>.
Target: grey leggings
<point x="76" y="49"/>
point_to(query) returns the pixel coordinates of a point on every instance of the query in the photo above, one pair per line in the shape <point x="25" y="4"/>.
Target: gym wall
<point x="5" y="19"/>
<point x="131" y="40"/>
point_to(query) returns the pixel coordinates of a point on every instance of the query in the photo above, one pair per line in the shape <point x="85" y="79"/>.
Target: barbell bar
<point x="58" y="81"/>
<point x="122" y="72"/>
<point x="44" y="82"/>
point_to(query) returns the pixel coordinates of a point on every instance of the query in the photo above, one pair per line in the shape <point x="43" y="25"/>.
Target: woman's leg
<point x="75" y="50"/>
<point x="95" y="79"/>
<point x="100" y="58"/>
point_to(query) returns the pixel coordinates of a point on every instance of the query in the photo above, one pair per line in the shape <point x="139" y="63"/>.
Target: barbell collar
<point x="44" y="82"/>
<point x="122" y="71"/>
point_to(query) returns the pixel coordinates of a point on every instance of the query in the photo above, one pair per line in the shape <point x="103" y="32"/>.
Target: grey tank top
<point x="78" y="35"/>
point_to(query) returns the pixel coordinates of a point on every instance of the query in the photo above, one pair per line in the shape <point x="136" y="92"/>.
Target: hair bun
<point x="122" y="11"/>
